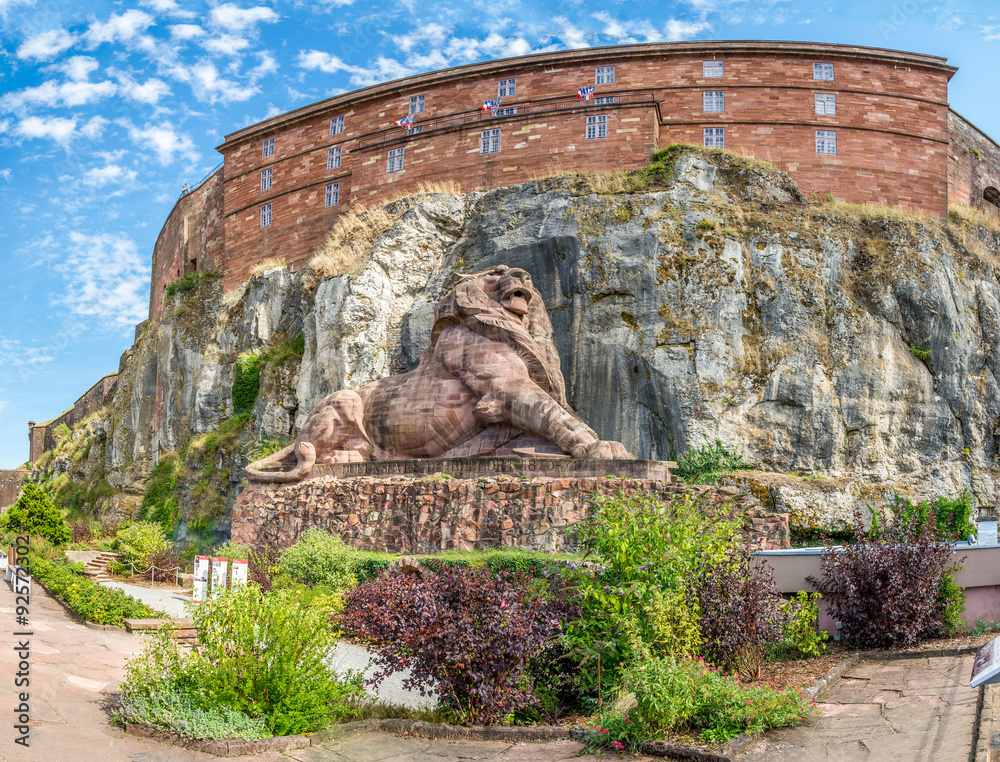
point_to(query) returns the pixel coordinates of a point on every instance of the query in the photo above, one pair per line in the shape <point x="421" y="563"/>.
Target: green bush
<point x="137" y="544"/>
<point x="951" y="599"/>
<point x="320" y="558"/>
<point x="93" y="602"/>
<point x="159" y="504"/>
<point x="246" y="382"/>
<point x="232" y="550"/>
<point x="34" y="514"/>
<point x="650" y="551"/>
<point x="190" y="281"/>
<point x="671" y="694"/>
<point x="259" y="654"/>
<point x="287" y="349"/>
<point x="704" y="463"/>
<point x="173" y="709"/>
<point x="800" y="633"/>
<point x="951" y="516"/>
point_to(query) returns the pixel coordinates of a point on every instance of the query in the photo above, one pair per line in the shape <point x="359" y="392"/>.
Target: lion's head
<point x="501" y="304"/>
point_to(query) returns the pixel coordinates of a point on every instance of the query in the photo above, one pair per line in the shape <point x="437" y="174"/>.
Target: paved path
<point x="347" y="656"/>
<point x="166" y="600"/>
<point x="385" y="747"/>
<point x="910" y="709"/>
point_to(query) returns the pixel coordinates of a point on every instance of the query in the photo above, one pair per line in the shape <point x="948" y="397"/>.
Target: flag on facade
<point x="585" y="92"/>
<point x="491" y="105"/>
<point x="406" y="121"/>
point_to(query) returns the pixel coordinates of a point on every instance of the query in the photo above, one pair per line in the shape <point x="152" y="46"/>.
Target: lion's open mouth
<point x="516" y="302"/>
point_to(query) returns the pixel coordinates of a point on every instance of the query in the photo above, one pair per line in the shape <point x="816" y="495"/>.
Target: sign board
<point x="239" y="573"/>
<point x="986" y="667"/>
<point x="200" y="591"/>
<point x="219" y="566"/>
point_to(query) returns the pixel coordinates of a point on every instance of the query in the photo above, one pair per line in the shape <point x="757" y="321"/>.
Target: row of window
<point x="826" y="140"/>
<point x="597" y="128"/>
<point x="332" y="199"/>
<point x="714" y="101"/>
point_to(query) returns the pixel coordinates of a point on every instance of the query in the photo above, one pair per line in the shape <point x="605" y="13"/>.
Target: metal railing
<point x="152" y="571"/>
<point x="202" y="181"/>
<point x="489" y="117"/>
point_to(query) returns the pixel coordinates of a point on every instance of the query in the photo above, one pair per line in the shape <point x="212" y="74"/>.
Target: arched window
<point x="992" y="195"/>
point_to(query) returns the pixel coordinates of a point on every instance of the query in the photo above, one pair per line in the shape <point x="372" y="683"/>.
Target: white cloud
<point x="208" y="85"/>
<point x="110" y="173"/>
<point x="432" y="34"/>
<point x="106" y="279"/>
<point x="50" y="93"/>
<point x="94" y="127"/>
<point x="230" y="16"/>
<point x="226" y="44"/>
<point x="167" y="143"/>
<point x="990" y="33"/>
<point x="5" y="174"/>
<point x="169" y="8"/>
<point x="325" y="62"/>
<point x="149" y="91"/>
<point x="45" y="46"/>
<point x="186" y="31"/>
<point x="124" y="27"/>
<point x="78" y="67"/>
<point x="57" y="128"/>
<point x="684" y="30"/>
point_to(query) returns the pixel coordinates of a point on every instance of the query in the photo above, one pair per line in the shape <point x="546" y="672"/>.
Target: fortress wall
<point x="973" y="165"/>
<point x="428" y="514"/>
<point x="892" y="127"/>
<point x="191" y="239"/>
<point x="42" y="437"/>
<point x="10" y="487"/>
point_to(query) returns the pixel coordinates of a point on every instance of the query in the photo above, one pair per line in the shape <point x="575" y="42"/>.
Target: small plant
<point x="138" y="544"/>
<point x="468" y="633"/>
<point x="921" y="354"/>
<point x="246" y="382"/>
<point x="800" y="632"/>
<point x="704" y="463"/>
<point x="830" y="199"/>
<point x="984" y="626"/>
<point x="706" y="225"/>
<point x="93" y="602"/>
<point x="35" y="514"/>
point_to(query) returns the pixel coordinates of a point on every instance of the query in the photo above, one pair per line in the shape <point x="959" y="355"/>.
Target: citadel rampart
<point x="10" y="487"/>
<point x="860" y="124"/>
<point x="42" y="436"/>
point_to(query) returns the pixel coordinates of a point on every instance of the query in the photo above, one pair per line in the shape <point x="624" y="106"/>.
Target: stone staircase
<point x="97" y="567"/>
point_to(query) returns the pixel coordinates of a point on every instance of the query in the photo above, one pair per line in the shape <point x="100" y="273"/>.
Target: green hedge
<point x="93" y="602"/>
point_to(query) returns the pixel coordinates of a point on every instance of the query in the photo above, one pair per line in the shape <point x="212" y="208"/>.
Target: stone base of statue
<point x="425" y="506"/>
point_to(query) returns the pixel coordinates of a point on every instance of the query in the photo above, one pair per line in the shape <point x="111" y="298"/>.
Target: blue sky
<point x="107" y="108"/>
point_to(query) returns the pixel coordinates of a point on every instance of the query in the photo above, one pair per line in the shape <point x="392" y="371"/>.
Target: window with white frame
<point x="507" y="88"/>
<point x="336" y="125"/>
<point x="597" y="127"/>
<point x="823" y="71"/>
<point x="416" y="104"/>
<point x="415" y="130"/>
<point x="265" y="179"/>
<point x="268" y="148"/>
<point x="826" y="141"/>
<point x="714" y="100"/>
<point x="265" y="216"/>
<point x="604" y="99"/>
<point x="715" y="137"/>
<point x="333" y="158"/>
<point x="394" y="161"/>
<point x="604" y="75"/>
<point x="333" y="194"/>
<point x="505" y="111"/>
<point x="712" y="69"/>
<point x="489" y="142"/>
<point x="826" y="104"/>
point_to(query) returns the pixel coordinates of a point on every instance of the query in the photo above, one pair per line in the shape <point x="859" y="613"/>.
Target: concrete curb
<point x="830" y="677"/>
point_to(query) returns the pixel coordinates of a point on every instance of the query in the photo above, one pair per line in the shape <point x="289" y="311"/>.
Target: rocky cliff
<point x="701" y="298"/>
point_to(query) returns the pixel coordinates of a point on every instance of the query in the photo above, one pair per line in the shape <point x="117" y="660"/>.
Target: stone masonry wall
<point x="408" y="515"/>
<point x="973" y="166"/>
<point x="10" y="487"/>
<point x="42" y="437"/>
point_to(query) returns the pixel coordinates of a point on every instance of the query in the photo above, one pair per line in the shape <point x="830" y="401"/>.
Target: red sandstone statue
<point x="490" y="382"/>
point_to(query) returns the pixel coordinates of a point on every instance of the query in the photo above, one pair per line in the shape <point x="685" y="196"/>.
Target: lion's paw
<point x="606" y="449"/>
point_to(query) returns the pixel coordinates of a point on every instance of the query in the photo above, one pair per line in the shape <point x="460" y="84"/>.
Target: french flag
<point x="585" y="93"/>
<point x="406" y="121"/>
<point x="492" y="105"/>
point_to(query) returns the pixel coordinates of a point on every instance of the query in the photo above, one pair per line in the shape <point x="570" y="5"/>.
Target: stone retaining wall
<point x="10" y="487"/>
<point x="425" y="515"/>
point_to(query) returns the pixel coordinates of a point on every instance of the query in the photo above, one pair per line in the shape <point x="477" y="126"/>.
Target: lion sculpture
<point x="490" y="384"/>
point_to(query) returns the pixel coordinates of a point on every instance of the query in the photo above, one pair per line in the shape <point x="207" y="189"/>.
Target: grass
<point x="190" y="282"/>
<point x="704" y="463"/>
<point x="271" y="263"/>
<point x="223" y="438"/>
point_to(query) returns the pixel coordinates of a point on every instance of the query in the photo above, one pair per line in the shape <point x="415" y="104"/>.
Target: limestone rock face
<point x="713" y="302"/>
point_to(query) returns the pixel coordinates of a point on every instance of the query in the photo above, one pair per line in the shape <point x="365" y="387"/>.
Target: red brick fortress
<point x="858" y="124"/>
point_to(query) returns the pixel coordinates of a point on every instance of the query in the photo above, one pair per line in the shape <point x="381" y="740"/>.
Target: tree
<point x="34" y="514"/>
